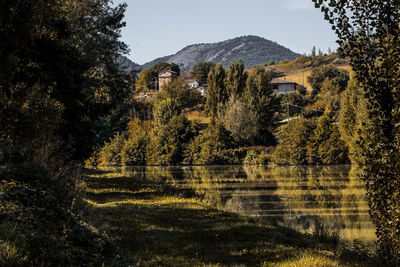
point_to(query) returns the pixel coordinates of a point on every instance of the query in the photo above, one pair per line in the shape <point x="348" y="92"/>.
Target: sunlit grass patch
<point x="189" y="203"/>
<point x="306" y="258"/>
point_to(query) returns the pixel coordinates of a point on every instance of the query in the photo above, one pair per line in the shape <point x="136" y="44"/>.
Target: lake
<point x="326" y="200"/>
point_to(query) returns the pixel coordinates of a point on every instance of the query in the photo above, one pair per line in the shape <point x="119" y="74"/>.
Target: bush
<point x="167" y="144"/>
<point x="134" y="150"/>
<point x="110" y="154"/>
<point x="258" y="157"/>
<point x="210" y="147"/>
<point x="320" y="74"/>
<point x="292" y="149"/>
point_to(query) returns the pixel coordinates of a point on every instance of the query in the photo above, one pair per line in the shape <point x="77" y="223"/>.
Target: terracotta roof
<point x="281" y="81"/>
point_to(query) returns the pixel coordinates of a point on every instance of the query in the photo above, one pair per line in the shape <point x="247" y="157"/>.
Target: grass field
<point x="157" y="225"/>
<point x="298" y="76"/>
<point x="197" y="115"/>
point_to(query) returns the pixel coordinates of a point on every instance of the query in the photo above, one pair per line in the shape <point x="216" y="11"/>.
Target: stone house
<point x="166" y="76"/>
<point x="283" y="86"/>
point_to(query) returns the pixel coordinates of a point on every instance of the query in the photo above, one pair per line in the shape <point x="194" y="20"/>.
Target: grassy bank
<point x="38" y="229"/>
<point x="157" y="225"/>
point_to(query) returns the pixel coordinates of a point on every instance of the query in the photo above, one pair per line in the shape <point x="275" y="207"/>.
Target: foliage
<point x="168" y="142"/>
<point x="293" y="139"/>
<point x="110" y="153"/>
<point x="149" y="77"/>
<point x="134" y="150"/>
<point x="36" y="230"/>
<point x="295" y="100"/>
<point x="210" y="147"/>
<point x="254" y="157"/>
<point x="216" y="94"/>
<point x="236" y="79"/>
<point x="62" y="54"/>
<point x="330" y="94"/>
<point x="262" y="101"/>
<point x="181" y="93"/>
<point x="337" y="76"/>
<point x="325" y="145"/>
<point x="352" y="116"/>
<point x="164" y="111"/>
<point x="200" y="71"/>
<point x="240" y="121"/>
<point x="368" y="32"/>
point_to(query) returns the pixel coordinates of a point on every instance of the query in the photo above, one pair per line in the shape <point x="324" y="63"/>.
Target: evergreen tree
<point x="261" y="100"/>
<point x="236" y="79"/>
<point x="200" y="71"/>
<point x="326" y="146"/>
<point x="216" y="94"/>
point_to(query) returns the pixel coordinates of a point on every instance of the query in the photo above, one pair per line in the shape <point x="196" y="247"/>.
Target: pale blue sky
<point x="158" y="28"/>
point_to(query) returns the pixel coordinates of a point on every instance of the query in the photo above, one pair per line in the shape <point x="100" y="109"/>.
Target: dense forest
<point x="65" y="101"/>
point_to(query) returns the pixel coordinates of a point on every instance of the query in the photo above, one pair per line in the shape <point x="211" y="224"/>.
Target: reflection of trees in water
<point x="325" y="199"/>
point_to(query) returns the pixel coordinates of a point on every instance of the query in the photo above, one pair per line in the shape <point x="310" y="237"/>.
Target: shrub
<point x="110" y="154"/>
<point x="134" y="150"/>
<point x="167" y="144"/>
<point x="210" y="147"/>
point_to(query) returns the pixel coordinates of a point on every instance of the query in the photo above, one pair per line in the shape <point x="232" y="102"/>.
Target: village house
<point x="193" y="84"/>
<point x="203" y="89"/>
<point x="166" y="76"/>
<point x="282" y="86"/>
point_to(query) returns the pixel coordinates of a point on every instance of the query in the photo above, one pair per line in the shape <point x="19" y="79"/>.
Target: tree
<point x="181" y="93"/>
<point x="320" y="74"/>
<point x="313" y="51"/>
<point x="164" y="111"/>
<point x="200" y="71"/>
<point x="168" y="143"/>
<point x="292" y="148"/>
<point x="352" y="116"/>
<point x="58" y="66"/>
<point x="262" y="101"/>
<point x="241" y="122"/>
<point x="369" y="34"/>
<point x="216" y="94"/>
<point x="325" y="145"/>
<point x="149" y="77"/>
<point x="236" y="78"/>
<point x="209" y="147"/>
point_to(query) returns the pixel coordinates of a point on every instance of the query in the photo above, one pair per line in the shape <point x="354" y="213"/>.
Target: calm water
<point x="308" y="199"/>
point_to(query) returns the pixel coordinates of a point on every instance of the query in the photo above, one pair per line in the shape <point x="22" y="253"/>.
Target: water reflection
<point x="323" y="200"/>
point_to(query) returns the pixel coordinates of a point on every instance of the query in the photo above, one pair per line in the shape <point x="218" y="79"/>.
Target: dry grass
<point x="199" y="116"/>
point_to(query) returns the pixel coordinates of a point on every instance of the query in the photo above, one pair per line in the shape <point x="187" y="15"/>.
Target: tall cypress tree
<point x="217" y="94"/>
<point x="236" y="79"/>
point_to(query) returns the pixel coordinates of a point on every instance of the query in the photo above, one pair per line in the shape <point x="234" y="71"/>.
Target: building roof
<point x="190" y="81"/>
<point x="281" y="81"/>
<point x="167" y="71"/>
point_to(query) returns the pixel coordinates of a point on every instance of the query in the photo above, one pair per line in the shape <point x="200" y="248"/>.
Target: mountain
<point x="253" y="50"/>
<point x="126" y="65"/>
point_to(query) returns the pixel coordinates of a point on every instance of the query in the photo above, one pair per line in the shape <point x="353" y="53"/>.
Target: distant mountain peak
<point x="253" y="50"/>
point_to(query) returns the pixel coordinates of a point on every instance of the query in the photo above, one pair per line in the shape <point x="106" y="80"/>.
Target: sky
<point x="157" y="28"/>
